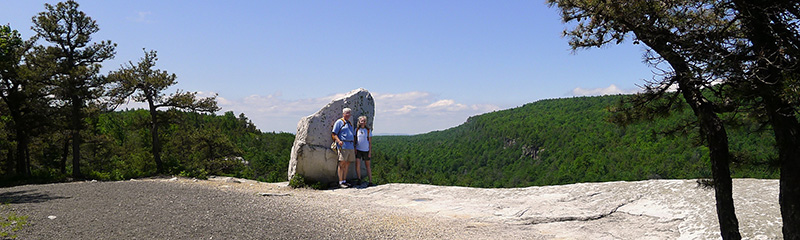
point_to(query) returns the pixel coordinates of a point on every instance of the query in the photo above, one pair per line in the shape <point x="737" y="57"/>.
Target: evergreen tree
<point x="22" y="90"/>
<point x="76" y="62"/>
<point x="749" y="47"/>
<point x="149" y="83"/>
<point x="665" y="27"/>
<point x="12" y="91"/>
<point x="767" y="70"/>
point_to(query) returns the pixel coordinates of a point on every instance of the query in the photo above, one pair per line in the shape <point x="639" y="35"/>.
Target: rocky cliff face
<point x="311" y="154"/>
<point x="653" y="209"/>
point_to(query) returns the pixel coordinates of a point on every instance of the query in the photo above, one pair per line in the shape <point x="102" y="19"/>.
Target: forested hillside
<point x="548" y="142"/>
<point x="201" y="144"/>
<point x="118" y="146"/>
<point x="562" y="141"/>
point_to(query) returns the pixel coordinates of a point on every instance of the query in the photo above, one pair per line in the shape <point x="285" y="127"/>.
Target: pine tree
<point x="75" y="61"/>
<point x="148" y="84"/>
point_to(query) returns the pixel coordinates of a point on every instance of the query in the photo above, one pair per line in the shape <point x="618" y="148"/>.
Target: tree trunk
<point x="14" y="102"/>
<point x="23" y="166"/>
<point x="65" y="154"/>
<point x="9" y="161"/>
<point x="769" y="85"/>
<point x="716" y="137"/>
<point x="76" y="137"/>
<point x="786" y="137"/>
<point x="21" y="137"/>
<point x="154" y="133"/>
<point x="27" y="158"/>
<point x="723" y="184"/>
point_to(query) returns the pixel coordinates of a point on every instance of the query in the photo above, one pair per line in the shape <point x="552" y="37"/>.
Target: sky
<point x="428" y="64"/>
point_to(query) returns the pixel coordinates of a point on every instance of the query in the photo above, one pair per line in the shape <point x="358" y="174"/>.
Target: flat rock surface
<point x="225" y="208"/>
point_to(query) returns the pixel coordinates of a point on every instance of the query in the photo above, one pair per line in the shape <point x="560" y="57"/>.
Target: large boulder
<point x="312" y="156"/>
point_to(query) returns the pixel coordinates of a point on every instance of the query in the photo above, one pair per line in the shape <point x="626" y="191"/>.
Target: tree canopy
<point x="148" y="84"/>
<point x="739" y="51"/>
<point x="563" y="141"/>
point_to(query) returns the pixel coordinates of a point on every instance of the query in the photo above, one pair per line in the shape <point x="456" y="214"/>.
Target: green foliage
<point x="10" y="222"/>
<point x="298" y="181"/>
<point x="118" y="147"/>
<point x="72" y="64"/>
<point x="563" y="141"/>
<point x="196" y="145"/>
<point x="10" y="41"/>
<point x="149" y="83"/>
<point x="195" y="173"/>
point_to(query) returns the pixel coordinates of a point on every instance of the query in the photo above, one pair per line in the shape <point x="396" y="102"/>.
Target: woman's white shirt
<point x="363" y="141"/>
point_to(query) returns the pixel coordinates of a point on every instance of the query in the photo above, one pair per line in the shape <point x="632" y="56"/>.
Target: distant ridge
<point x="392" y="134"/>
<point x="561" y="141"/>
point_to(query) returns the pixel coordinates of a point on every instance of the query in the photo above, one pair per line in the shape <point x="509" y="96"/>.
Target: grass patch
<point x="10" y="222"/>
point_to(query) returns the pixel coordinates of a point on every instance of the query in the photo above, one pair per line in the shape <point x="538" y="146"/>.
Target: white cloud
<point x="407" y="113"/>
<point x="445" y="104"/>
<point x="396" y="113"/>
<point x="142" y="17"/>
<point x="610" y="90"/>
<point x="419" y="112"/>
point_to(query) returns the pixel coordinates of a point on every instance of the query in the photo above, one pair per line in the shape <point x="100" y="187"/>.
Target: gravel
<point x="219" y="209"/>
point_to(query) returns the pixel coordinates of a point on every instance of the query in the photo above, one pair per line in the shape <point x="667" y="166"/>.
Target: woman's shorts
<point x="362" y="155"/>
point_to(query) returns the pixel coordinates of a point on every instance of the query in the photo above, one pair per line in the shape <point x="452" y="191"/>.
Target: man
<point x="344" y="133"/>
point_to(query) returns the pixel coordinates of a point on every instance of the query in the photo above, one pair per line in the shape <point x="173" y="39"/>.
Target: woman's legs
<point x="369" y="170"/>
<point x="358" y="169"/>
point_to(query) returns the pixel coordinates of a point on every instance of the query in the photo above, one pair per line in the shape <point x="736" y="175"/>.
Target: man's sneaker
<point x="344" y="185"/>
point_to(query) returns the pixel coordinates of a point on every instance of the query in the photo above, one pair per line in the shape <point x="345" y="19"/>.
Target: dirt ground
<point x="228" y="208"/>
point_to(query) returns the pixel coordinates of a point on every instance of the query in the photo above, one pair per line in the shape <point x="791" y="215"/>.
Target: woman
<point x="363" y="148"/>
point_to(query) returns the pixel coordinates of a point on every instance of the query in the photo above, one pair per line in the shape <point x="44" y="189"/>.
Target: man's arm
<point x="337" y="128"/>
<point x="336" y="138"/>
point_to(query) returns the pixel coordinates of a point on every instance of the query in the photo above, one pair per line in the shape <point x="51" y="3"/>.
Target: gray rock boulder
<point x="652" y="209"/>
<point x="311" y="156"/>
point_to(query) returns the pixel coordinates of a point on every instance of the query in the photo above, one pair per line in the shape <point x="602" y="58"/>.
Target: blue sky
<point x="429" y="64"/>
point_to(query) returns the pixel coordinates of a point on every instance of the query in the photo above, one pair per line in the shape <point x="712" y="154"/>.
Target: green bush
<point x="100" y="176"/>
<point x="195" y="173"/>
<point x="298" y="181"/>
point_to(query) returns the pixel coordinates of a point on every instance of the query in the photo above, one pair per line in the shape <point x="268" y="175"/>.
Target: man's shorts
<point x="347" y="155"/>
<point x="362" y="155"/>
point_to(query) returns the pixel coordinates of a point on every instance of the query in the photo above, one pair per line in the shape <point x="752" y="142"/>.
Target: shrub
<point x="198" y="173"/>
<point x="298" y="181"/>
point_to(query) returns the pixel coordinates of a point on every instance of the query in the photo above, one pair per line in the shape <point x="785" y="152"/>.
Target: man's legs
<point x="345" y="166"/>
<point x="345" y="157"/>
<point x="341" y="170"/>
